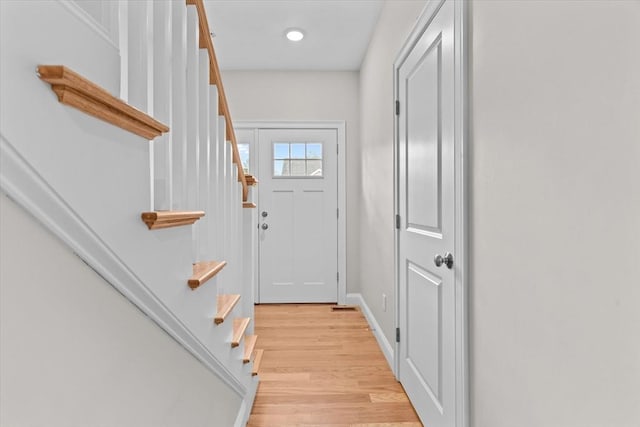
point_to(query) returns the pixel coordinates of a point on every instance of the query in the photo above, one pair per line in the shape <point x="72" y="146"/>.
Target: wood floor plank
<point x="324" y="368"/>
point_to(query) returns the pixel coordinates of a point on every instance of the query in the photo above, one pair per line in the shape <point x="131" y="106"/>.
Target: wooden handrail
<point x="215" y="78"/>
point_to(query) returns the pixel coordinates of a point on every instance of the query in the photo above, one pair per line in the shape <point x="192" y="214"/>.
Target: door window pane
<point x="298" y="151"/>
<point x="280" y="150"/>
<point x="314" y="151"/>
<point x="314" y="167"/>
<point x="297" y="159"/>
<point x="243" y="149"/>
<point x="298" y="168"/>
<point x="279" y="168"/>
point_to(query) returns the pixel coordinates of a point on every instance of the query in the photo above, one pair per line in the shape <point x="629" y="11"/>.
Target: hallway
<point x="324" y="367"/>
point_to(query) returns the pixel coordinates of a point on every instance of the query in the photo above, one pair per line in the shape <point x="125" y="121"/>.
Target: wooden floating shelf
<point x="249" y="345"/>
<point x="76" y="91"/>
<point x="165" y="219"/>
<point x="225" y="305"/>
<point x="257" y="359"/>
<point x="203" y="271"/>
<point x="249" y="205"/>
<point x="239" y="328"/>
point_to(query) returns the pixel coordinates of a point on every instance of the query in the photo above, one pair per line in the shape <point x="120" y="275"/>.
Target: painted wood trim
<point x="224" y="307"/>
<point x="215" y="78"/>
<point x="22" y="183"/>
<point x="249" y="345"/>
<point x="239" y="328"/>
<point x="76" y="91"/>
<point x="203" y="271"/>
<point x="165" y="219"/>
<point x="257" y="360"/>
<point x="381" y="338"/>
<point x="249" y="205"/>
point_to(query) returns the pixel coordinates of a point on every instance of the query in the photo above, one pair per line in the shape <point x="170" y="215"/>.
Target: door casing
<point x="340" y="127"/>
<point x="461" y="132"/>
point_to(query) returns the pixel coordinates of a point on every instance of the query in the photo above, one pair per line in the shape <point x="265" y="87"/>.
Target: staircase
<point x="130" y="157"/>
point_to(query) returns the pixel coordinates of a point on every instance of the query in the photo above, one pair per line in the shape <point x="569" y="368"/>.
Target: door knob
<point x="447" y="260"/>
<point x="264" y="214"/>
<point x="265" y="226"/>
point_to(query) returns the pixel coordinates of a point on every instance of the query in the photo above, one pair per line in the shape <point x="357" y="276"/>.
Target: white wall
<point x="375" y="197"/>
<point x="555" y="214"/>
<point x="74" y="352"/>
<point x="307" y="95"/>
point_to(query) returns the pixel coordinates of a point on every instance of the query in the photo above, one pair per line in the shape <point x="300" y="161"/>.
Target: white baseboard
<point x="383" y="342"/>
<point x="247" y="403"/>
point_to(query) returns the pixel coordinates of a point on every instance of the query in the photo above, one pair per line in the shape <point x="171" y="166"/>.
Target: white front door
<point x="426" y="93"/>
<point x="297" y="212"/>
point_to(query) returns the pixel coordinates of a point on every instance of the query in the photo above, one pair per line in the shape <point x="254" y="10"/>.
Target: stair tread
<point x="240" y="325"/>
<point x="226" y="302"/>
<point x="257" y="359"/>
<point x="203" y="271"/>
<point x="165" y="219"/>
<point x="249" y="345"/>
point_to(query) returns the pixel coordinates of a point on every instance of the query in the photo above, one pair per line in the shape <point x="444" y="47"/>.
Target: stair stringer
<point x="96" y="208"/>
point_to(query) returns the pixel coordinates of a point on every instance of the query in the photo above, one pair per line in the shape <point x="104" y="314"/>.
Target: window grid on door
<point x="297" y="159"/>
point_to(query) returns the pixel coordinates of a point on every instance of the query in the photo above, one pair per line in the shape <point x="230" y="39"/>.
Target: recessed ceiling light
<point x="294" y="34"/>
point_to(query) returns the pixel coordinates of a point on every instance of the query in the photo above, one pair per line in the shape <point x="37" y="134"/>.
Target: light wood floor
<point x="324" y="368"/>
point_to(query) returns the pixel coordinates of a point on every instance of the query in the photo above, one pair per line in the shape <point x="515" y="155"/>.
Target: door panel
<point x="424" y="328"/>
<point x="426" y="192"/>
<point x="298" y="191"/>
<point x="422" y="90"/>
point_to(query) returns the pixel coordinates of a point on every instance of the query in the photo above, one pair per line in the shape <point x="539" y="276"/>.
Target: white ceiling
<point x="249" y="34"/>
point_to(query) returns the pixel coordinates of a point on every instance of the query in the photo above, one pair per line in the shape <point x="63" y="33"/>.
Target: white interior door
<point x="297" y="210"/>
<point x="426" y="205"/>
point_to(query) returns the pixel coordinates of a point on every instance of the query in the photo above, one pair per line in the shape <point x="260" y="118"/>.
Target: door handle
<point x="265" y="226"/>
<point x="447" y="260"/>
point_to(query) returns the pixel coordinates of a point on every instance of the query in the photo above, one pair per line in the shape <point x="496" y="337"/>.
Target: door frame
<point x="340" y="127"/>
<point x="461" y="145"/>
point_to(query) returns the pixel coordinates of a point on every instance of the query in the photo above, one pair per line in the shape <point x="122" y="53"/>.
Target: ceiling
<point x="250" y="34"/>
